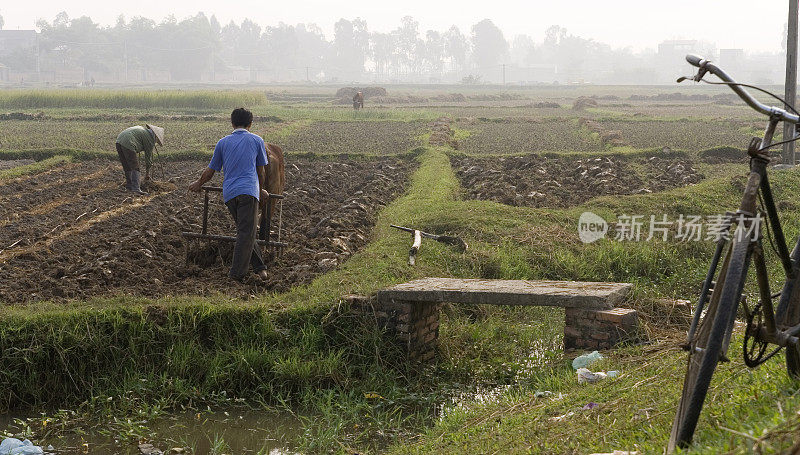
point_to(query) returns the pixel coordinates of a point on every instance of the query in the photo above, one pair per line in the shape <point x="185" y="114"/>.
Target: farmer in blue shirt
<point x="242" y="158"/>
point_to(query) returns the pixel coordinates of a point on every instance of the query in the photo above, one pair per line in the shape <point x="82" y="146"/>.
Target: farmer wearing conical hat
<point x="130" y="143"/>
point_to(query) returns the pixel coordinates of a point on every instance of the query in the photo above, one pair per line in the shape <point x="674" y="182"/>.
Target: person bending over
<point x="130" y="142"/>
<point x="242" y="157"/>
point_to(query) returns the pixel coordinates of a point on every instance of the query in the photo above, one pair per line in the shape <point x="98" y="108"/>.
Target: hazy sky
<point x="751" y="24"/>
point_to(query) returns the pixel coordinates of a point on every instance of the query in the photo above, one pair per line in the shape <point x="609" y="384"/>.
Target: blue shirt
<point x="237" y="155"/>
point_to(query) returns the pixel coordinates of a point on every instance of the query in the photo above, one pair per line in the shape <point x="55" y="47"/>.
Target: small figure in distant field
<point x="358" y="100"/>
<point x="242" y="156"/>
<point x="130" y="143"/>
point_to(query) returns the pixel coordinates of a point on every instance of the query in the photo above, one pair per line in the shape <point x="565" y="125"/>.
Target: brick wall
<point x="415" y="325"/>
<point x="599" y="329"/>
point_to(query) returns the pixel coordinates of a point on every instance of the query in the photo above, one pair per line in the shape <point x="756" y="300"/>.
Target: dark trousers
<point x="128" y="158"/>
<point x="244" y="209"/>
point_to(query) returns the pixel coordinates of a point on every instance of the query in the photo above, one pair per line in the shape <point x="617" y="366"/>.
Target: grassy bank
<point x="747" y="409"/>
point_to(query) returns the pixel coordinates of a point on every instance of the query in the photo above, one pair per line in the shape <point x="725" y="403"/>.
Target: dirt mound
<point x="442" y="134"/>
<point x="545" y="105"/>
<point x="583" y="103"/>
<point x="22" y="116"/>
<point x="537" y="181"/>
<point x="612" y="138"/>
<point x="97" y="240"/>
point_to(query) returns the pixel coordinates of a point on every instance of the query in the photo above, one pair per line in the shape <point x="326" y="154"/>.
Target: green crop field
<point x="111" y="338"/>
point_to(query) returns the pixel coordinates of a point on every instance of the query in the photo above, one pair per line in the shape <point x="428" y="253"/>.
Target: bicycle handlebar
<point x="707" y="66"/>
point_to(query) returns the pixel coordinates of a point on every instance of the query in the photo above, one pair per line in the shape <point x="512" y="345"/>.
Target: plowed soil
<point x="73" y="233"/>
<point x="537" y="181"/>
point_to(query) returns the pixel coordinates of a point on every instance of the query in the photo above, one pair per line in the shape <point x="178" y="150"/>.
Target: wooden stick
<point x="12" y="245"/>
<point x="412" y="255"/>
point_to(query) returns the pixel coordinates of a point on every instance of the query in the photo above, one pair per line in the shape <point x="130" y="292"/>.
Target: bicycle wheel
<point x="793" y="352"/>
<point x="706" y="348"/>
<point x="793" y="361"/>
<point x="792" y="318"/>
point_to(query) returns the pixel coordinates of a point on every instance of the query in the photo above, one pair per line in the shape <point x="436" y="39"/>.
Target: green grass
<point x="634" y="414"/>
<point x="34" y="168"/>
<point x="139" y="99"/>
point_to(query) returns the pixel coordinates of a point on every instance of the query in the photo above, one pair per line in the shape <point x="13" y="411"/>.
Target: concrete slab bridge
<point x="410" y="311"/>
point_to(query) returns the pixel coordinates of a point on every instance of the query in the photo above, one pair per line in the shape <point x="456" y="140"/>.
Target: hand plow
<point x="267" y="237"/>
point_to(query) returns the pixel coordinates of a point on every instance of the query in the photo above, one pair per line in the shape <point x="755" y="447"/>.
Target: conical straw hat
<point x="159" y="132"/>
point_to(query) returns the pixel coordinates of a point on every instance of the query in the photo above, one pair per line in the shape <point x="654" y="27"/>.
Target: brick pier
<point x="410" y="311"/>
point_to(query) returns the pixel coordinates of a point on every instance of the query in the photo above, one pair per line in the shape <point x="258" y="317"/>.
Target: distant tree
<point x="2" y="22"/>
<point x="553" y="35"/>
<point x="187" y="46"/>
<point x="408" y="48"/>
<point x="313" y="49"/>
<point x="380" y="51"/>
<point x="351" y="45"/>
<point x="489" y="46"/>
<point x="242" y="45"/>
<point x="456" y="48"/>
<point x="471" y="79"/>
<point x="434" y="52"/>
<point x="523" y="50"/>
<point x="569" y="53"/>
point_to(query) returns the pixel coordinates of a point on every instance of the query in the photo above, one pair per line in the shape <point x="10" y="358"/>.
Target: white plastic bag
<point x="585" y="376"/>
<point x="583" y="361"/>
<point x="13" y="446"/>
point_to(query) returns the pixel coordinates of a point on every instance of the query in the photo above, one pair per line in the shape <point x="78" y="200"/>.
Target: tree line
<point x="189" y="47"/>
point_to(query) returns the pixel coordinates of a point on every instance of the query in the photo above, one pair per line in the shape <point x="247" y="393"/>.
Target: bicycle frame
<point x="774" y="330"/>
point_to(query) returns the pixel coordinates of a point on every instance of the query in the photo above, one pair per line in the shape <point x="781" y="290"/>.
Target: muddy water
<point x="221" y="432"/>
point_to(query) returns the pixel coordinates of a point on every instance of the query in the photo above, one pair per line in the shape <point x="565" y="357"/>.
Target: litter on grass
<point x="583" y="361"/>
<point x="585" y="376"/>
<point x="13" y="446"/>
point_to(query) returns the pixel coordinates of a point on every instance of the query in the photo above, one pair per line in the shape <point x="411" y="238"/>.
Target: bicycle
<point x="714" y="317"/>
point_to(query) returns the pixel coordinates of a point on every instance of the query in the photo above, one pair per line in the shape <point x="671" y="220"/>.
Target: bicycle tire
<point x="792" y="318"/>
<point x="793" y="361"/>
<point x="711" y="333"/>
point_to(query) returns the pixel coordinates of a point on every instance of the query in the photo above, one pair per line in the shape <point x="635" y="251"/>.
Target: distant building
<point x="671" y="59"/>
<point x="679" y="47"/>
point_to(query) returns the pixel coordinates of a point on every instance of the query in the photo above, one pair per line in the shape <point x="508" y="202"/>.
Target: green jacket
<point x="138" y="139"/>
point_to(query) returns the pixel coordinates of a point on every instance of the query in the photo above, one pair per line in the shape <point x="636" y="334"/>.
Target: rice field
<point x="689" y="135"/>
<point x="508" y="135"/>
<point x="100" y="135"/>
<point x="373" y="137"/>
<point x="138" y="99"/>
